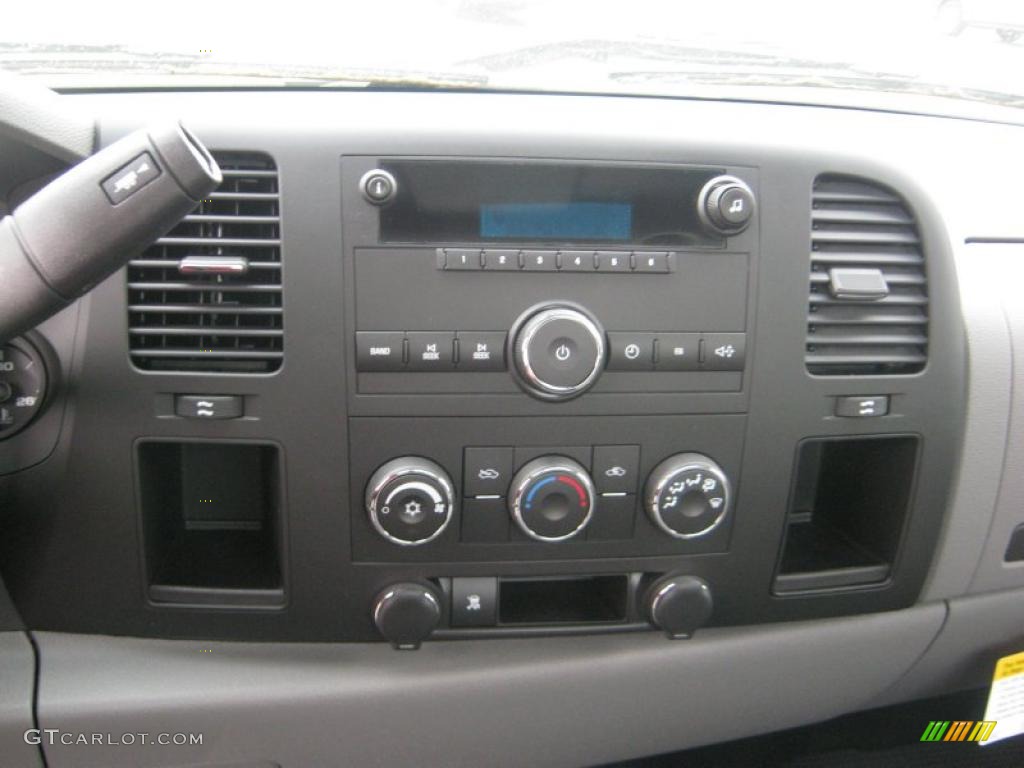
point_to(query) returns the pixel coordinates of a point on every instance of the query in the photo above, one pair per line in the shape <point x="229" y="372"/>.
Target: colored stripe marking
<point x="537" y="487"/>
<point x="575" y="484"/>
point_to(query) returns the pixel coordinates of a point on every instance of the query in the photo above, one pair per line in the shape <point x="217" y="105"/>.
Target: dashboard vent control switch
<point x="215" y="407"/>
<point x="857" y="284"/>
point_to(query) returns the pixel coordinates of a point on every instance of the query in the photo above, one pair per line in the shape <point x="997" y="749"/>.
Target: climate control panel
<point x="545" y="501"/>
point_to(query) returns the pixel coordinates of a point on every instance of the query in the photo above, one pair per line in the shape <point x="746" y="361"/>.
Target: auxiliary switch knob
<point x="679" y="605"/>
<point x="551" y="498"/>
<point x="410" y="500"/>
<point x="406" y="614"/>
<point x="687" y="495"/>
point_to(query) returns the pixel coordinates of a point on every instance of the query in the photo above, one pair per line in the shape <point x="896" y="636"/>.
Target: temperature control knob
<point x="410" y="500"/>
<point x="558" y="351"/>
<point x="726" y="205"/>
<point x="687" y="495"/>
<point x="552" y="498"/>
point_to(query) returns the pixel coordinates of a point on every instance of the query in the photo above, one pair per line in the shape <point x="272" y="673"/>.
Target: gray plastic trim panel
<point x="538" y="702"/>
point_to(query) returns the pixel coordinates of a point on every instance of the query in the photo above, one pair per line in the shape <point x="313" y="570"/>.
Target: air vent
<point x="207" y="297"/>
<point x="868" y="312"/>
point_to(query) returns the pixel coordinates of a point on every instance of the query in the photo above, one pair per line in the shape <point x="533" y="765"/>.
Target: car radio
<point x="547" y="278"/>
<point x="554" y="293"/>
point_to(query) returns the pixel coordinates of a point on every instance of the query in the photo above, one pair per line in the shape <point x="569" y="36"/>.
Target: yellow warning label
<point x="1009" y="666"/>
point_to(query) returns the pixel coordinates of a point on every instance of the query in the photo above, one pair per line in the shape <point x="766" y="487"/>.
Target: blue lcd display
<point x="556" y="221"/>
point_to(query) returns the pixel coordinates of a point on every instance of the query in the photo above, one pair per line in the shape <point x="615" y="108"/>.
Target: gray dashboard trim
<point x="17" y="687"/>
<point x="539" y="702"/>
<point x="993" y="573"/>
<point x="978" y="631"/>
<point x="989" y="385"/>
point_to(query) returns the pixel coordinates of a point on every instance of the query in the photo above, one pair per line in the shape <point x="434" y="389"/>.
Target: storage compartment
<point x="847" y="512"/>
<point x="581" y="600"/>
<point x="212" y="522"/>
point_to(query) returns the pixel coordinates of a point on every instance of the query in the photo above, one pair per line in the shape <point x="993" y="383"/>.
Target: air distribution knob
<point x="687" y="495"/>
<point x="679" y="605"/>
<point x="551" y="498"/>
<point x="410" y="500"/>
<point x="726" y="205"/>
<point x="558" y="351"/>
<point x="406" y="614"/>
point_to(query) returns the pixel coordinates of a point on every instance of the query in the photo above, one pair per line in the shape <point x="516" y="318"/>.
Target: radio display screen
<point x="557" y="221"/>
<point x="452" y="201"/>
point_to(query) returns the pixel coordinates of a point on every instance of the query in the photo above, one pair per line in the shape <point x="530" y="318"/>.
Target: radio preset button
<point x="431" y="351"/>
<point x="613" y="261"/>
<point x="724" y="351"/>
<point x="651" y="261"/>
<point x="628" y="351"/>
<point x="379" y="350"/>
<point x="576" y="261"/>
<point x="678" y="352"/>
<point x="502" y="259"/>
<point x="456" y="259"/>
<point x="540" y="261"/>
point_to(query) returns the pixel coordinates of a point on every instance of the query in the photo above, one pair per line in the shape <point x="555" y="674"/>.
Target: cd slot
<point x="572" y="600"/>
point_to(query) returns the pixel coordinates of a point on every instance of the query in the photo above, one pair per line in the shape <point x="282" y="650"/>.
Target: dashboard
<point x="617" y="396"/>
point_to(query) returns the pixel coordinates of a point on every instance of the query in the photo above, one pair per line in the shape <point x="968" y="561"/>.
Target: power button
<point x="559" y="352"/>
<point x="378" y="186"/>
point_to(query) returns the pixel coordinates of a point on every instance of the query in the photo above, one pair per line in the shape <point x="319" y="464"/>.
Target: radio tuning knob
<point x="687" y="495"/>
<point x="410" y="500"/>
<point x="726" y="205"/>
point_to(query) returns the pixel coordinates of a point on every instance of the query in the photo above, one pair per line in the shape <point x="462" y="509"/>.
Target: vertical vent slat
<point x="859" y="224"/>
<point x="209" y="322"/>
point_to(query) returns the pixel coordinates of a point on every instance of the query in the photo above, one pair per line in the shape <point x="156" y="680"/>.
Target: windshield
<point x="800" y="50"/>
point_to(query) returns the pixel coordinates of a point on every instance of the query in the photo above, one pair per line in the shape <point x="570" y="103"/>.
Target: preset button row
<point x="515" y="260"/>
<point x="430" y="350"/>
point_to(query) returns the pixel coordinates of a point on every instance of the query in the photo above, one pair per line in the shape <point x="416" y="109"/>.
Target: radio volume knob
<point x="551" y="498"/>
<point x="410" y="500"/>
<point x="726" y="205"/>
<point x="687" y="496"/>
<point x="558" y="351"/>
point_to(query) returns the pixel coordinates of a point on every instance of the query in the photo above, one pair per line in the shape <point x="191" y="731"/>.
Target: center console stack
<point x="550" y="394"/>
